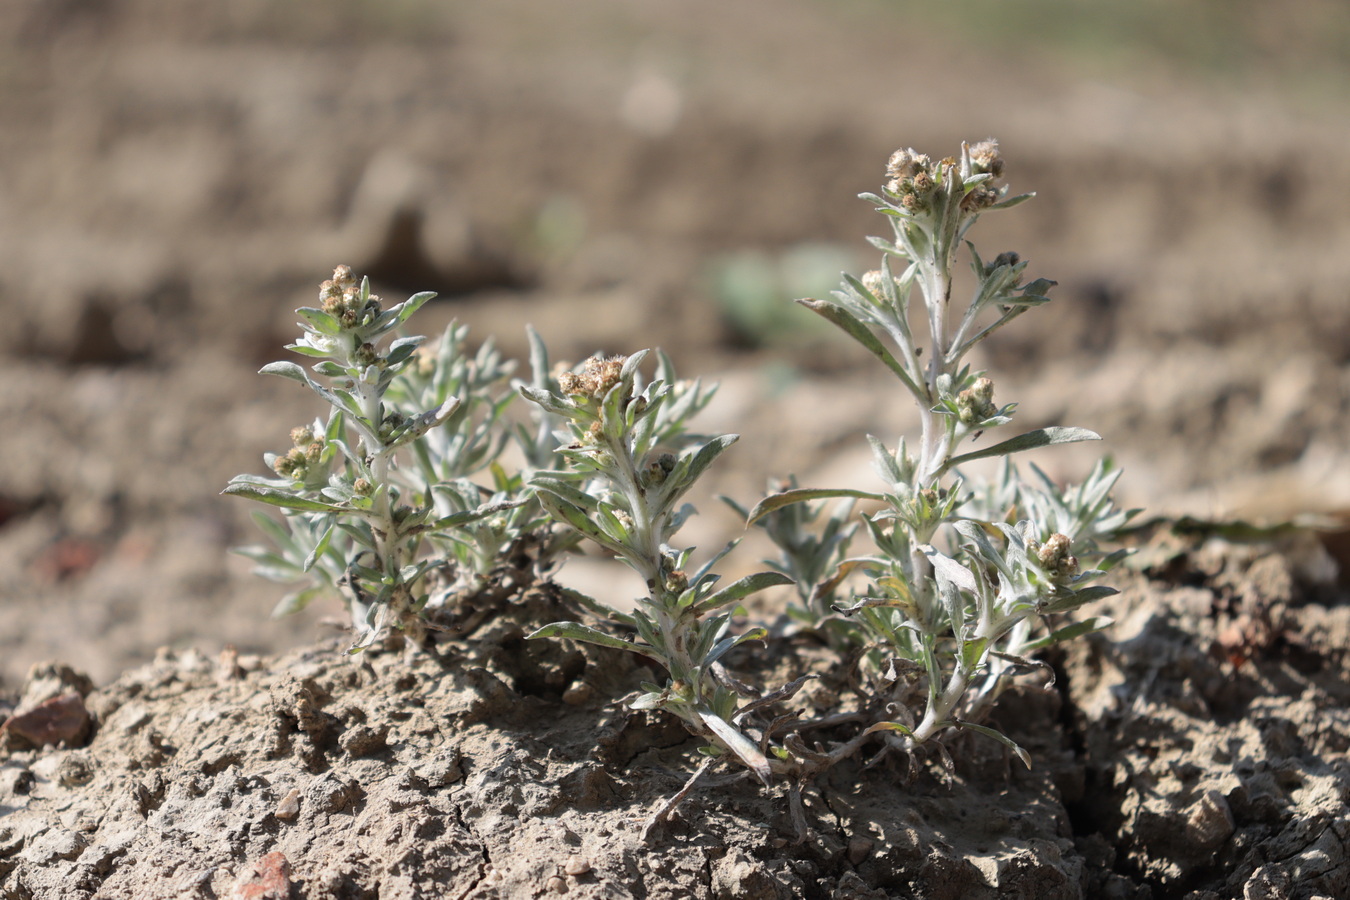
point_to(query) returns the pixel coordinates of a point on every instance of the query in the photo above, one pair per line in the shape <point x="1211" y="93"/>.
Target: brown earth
<point x="177" y="179"/>
<point x="1198" y="752"/>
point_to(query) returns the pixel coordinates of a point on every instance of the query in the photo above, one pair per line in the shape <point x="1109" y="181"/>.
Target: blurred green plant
<point x="751" y="286"/>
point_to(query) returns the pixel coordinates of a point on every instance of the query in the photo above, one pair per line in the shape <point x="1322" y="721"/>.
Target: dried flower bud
<point x="1055" y="557"/>
<point x="658" y="468"/>
<point x="875" y="282"/>
<point x="293" y="465"/>
<point x="603" y="374"/>
<point x="302" y="435"/>
<point x="984" y="157"/>
<point x="677" y="582"/>
<point x="362" y="487"/>
<point x="980" y="198"/>
<point x="571" y="384"/>
<point x="313" y="452"/>
<point x="906" y="164"/>
<point x="976" y="403"/>
<point x="392" y="423"/>
<point x="366" y="355"/>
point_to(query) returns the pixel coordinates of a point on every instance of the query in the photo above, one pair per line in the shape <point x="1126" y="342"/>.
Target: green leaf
<point x="321" y="547"/>
<point x="801" y="495"/>
<point x="320" y="321"/>
<point x="1012" y="201"/>
<point x="972" y="653"/>
<point x="589" y="603"/>
<point x="285" y="370"/>
<point x="885" y="462"/>
<point x="889" y="726"/>
<point x="428" y="420"/>
<point x="332" y="369"/>
<point x="306" y="350"/>
<point x="888" y="246"/>
<point x="1081" y="597"/>
<point x="1069" y="632"/>
<point x="950" y="570"/>
<point x="275" y="497"/>
<point x="405" y="309"/>
<point x="863" y="335"/>
<point x="564" y="490"/>
<point x="550" y="402"/>
<point x="575" y="631"/>
<point x="649" y="700"/>
<point x="739" y="744"/>
<point x="738" y="589"/>
<point x="297" y="600"/>
<point x="689" y="468"/>
<point x="722" y="647"/>
<point x="1002" y="738"/>
<point x="1041" y="437"/>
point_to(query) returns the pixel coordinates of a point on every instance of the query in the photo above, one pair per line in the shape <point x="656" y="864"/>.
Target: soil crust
<point x="1197" y="749"/>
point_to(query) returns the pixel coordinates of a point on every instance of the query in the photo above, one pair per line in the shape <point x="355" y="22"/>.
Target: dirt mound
<point x="1197" y="750"/>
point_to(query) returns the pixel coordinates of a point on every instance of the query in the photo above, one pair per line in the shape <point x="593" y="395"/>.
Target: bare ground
<point x="1197" y="751"/>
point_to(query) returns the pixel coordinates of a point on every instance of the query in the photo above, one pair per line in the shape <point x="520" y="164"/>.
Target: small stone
<point x="556" y="885"/>
<point x="60" y="720"/>
<point x="858" y="849"/>
<point x="288" y="808"/>
<point x="15" y="782"/>
<point x="269" y="879"/>
<point x="1210" y="821"/>
<point x="227" y="665"/>
<point x="577" y="865"/>
<point x="577" y="694"/>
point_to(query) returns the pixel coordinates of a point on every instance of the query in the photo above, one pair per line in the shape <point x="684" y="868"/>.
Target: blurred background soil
<point x="178" y="176"/>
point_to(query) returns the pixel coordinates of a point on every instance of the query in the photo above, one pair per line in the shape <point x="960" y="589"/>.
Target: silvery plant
<point x="628" y="462"/>
<point x="961" y="582"/>
<point x="941" y="587"/>
<point x="377" y="497"/>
